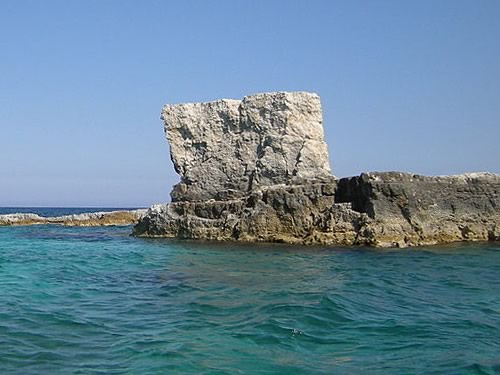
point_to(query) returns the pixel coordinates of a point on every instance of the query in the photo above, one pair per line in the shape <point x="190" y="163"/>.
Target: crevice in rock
<point x="298" y="159"/>
<point x="357" y="191"/>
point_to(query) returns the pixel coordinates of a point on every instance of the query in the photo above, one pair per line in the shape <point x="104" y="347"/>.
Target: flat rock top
<point x="228" y="147"/>
<point x="84" y="219"/>
<point x="411" y="177"/>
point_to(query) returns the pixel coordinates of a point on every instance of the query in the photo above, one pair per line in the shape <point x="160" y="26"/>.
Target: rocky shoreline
<point x="118" y="218"/>
<point x="390" y="209"/>
<point x="257" y="170"/>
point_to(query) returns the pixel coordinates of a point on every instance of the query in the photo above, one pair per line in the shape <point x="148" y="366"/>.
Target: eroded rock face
<point x="405" y="209"/>
<point x="227" y="148"/>
<point x="389" y="209"/>
<point x="257" y="170"/>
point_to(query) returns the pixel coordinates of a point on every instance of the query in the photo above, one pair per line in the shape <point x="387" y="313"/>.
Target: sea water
<point x="97" y="301"/>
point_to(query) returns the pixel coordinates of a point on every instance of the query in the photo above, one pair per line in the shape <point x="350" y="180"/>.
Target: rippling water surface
<point x="96" y="301"/>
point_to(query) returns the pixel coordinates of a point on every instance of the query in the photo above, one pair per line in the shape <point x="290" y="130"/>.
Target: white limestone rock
<point x="227" y="148"/>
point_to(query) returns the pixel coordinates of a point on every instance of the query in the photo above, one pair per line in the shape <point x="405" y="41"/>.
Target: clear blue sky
<point x="405" y="85"/>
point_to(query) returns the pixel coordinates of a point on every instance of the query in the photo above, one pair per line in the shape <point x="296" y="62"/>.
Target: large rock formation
<point x="257" y="170"/>
<point x="226" y="148"/>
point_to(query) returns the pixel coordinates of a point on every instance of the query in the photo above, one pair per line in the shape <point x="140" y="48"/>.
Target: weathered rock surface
<point x="85" y="219"/>
<point x="227" y="148"/>
<point x="389" y="209"/>
<point x="257" y="170"/>
<point x="408" y="210"/>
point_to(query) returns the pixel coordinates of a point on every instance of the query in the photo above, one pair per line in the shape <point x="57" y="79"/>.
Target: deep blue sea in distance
<point x="83" y="300"/>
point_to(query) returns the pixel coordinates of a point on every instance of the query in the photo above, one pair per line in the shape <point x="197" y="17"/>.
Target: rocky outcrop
<point x="405" y="209"/>
<point x="84" y="219"/>
<point x="389" y="209"/>
<point x="227" y="148"/>
<point x="299" y="213"/>
<point x="257" y="170"/>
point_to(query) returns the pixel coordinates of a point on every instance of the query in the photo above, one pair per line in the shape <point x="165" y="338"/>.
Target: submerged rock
<point x="257" y="170"/>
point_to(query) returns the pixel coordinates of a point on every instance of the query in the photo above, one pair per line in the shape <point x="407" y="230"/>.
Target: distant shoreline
<point x="99" y="218"/>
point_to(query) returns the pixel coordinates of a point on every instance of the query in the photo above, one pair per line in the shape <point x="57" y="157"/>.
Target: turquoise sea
<point x="97" y="301"/>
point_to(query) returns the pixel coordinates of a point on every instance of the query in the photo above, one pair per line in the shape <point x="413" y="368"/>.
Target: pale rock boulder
<point x="227" y="148"/>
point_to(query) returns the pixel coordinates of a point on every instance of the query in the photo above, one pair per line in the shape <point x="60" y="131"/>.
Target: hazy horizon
<point x="411" y="87"/>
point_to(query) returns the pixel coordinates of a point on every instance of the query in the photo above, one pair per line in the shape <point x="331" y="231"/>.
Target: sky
<point x="405" y="85"/>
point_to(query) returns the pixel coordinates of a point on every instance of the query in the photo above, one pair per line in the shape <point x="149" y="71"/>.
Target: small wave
<point x="93" y="300"/>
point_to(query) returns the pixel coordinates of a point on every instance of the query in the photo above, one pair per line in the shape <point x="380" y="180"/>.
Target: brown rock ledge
<point x="390" y="209"/>
<point x="82" y="220"/>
